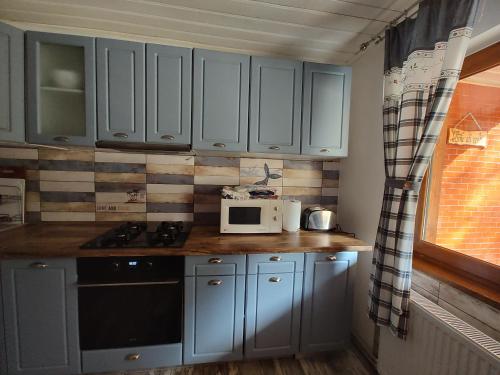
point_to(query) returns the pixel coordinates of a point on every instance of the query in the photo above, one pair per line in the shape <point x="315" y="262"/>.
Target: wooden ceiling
<point x="313" y="30"/>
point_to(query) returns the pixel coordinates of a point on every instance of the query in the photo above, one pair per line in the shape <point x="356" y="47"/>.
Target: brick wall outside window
<point x="469" y="202"/>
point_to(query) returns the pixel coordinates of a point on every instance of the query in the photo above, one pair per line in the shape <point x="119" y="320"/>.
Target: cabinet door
<point x="325" y="122"/>
<point x="272" y="324"/>
<point x="168" y="75"/>
<point x="41" y="318"/>
<point x="11" y="84"/>
<point x="214" y="315"/>
<point x="61" y="89"/>
<point x="327" y="300"/>
<point x="220" y="101"/>
<point x="275" y="105"/>
<point x="120" y="90"/>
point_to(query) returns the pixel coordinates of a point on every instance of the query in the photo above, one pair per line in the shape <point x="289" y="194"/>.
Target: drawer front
<point x="275" y="263"/>
<point x="131" y="358"/>
<point x="212" y="265"/>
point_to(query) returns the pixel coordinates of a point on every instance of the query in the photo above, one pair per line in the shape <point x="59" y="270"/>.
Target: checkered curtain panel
<point x="422" y="66"/>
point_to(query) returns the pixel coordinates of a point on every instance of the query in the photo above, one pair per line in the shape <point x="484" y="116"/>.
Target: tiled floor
<point x="344" y="362"/>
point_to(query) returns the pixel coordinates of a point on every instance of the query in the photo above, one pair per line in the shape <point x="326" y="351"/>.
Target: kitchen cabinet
<point x="325" y="121"/>
<point x="61" y="89"/>
<point x="121" y="81"/>
<point x="11" y="84"/>
<point x="275" y="105"/>
<point x="327" y="300"/>
<point x="274" y="294"/>
<point x="220" y="101"/>
<point x="214" y="311"/>
<point x="168" y="75"/>
<point x="41" y="318"/>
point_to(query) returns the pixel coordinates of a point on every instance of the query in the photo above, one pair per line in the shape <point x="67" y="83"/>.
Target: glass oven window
<point x="245" y="215"/>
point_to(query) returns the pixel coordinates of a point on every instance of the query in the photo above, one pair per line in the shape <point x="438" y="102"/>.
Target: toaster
<point x="318" y="218"/>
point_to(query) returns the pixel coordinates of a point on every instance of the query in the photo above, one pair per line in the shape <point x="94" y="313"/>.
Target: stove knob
<point x="115" y="266"/>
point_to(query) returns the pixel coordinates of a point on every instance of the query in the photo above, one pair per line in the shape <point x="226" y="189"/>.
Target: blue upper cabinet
<point x="275" y="105"/>
<point x="11" y="84"/>
<point x="121" y="82"/>
<point x="327" y="300"/>
<point x="325" y="122"/>
<point x="41" y="316"/>
<point x="220" y="101"/>
<point x="61" y="89"/>
<point x="168" y="74"/>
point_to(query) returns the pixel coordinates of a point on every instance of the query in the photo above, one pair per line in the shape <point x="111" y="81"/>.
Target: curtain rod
<point x="377" y="38"/>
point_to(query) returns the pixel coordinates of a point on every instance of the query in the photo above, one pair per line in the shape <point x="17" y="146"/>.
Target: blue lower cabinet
<point x="272" y="325"/>
<point x="327" y="300"/>
<point x="124" y="359"/>
<point x="41" y="316"/>
<point x="214" y="317"/>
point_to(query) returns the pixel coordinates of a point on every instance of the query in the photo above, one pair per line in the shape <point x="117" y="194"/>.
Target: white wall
<point x="362" y="176"/>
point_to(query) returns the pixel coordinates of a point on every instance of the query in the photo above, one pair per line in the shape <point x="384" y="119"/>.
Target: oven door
<point x="130" y="314"/>
<point x="250" y="216"/>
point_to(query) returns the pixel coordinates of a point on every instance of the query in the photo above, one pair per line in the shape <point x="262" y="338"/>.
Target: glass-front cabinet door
<point x="61" y="89"/>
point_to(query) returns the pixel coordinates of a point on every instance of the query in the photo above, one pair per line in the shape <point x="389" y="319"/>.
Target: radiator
<point x="438" y="343"/>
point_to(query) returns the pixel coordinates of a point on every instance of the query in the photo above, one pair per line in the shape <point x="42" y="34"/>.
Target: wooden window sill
<point x="469" y="284"/>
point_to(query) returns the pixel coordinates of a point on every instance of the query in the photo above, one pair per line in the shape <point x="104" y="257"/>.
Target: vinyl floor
<point x="345" y="362"/>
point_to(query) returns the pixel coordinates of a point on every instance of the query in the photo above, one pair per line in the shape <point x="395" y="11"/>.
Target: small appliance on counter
<point x="12" y="196"/>
<point x="318" y="218"/>
<point x="251" y="216"/>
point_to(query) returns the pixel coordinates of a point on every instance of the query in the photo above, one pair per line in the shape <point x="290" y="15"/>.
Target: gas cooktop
<point x="137" y="235"/>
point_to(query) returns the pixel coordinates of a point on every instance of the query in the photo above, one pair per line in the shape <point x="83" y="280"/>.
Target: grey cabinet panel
<point x="118" y="359"/>
<point x="220" y="101"/>
<point x="214" y="316"/>
<point x="120" y="90"/>
<point x="59" y="114"/>
<point x="209" y="265"/>
<point x="275" y="105"/>
<point x="41" y="316"/>
<point x="272" y="319"/>
<point x="327" y="300"/>
<point x="11" y="84"/>
<point x="274" y="263"/>
<point x="325" y="123"/>
<point x="3" y="350"/>
<point x="168" y="74"/>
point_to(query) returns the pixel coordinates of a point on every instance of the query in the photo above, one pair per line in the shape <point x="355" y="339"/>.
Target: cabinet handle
<point x="61" y="139"/>
<point x="39" y="265"/>
<point x="274" y="148"/>
<point x="331" y="258"/>
<point x="274" y="279"/>
<point x="133" y="357"/>
<point x="168" y="137"/>
<point x="120" y="135"/>
<point x="275" y="259"/>
<point x="324" y="150"/>
<point x="220" y="145"/>
<point x="215" y="260"/>
<point x="215" y="282"/>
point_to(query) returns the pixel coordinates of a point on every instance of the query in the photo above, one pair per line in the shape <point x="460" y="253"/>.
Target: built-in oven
<point x="128" y="302"/>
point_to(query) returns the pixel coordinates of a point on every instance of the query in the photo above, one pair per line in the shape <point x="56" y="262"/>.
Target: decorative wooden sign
<point x="468" y="137"/>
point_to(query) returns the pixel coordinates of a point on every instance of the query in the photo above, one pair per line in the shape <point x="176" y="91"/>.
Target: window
<point x="458" y="225"/>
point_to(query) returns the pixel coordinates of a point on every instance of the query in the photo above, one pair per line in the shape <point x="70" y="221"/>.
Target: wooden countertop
<point x="62" y="239"/>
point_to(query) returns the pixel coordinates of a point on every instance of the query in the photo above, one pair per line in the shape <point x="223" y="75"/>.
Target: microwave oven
<point x="251" y="216"/>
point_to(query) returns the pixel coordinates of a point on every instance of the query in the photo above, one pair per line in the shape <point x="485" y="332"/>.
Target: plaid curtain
<point x="423" y="59"/>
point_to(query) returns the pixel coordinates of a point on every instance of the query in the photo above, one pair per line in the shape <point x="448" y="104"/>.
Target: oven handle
<point x="170" y="282"/>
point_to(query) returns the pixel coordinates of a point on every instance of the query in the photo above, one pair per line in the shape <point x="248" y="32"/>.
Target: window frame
<point x="475" y="276"/>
